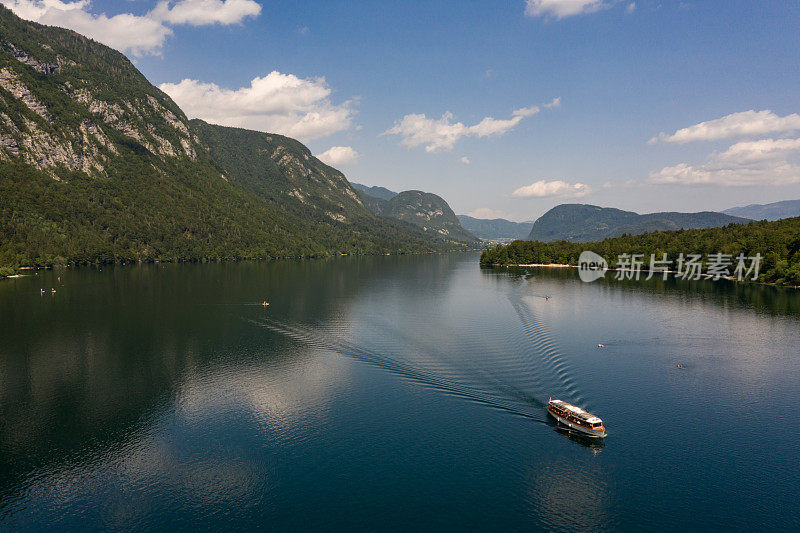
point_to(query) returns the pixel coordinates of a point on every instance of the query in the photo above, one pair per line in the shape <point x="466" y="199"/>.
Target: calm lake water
<point x="393" y="393"/>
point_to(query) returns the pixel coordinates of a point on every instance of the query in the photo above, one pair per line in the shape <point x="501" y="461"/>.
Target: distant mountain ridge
<point x="496" y="228"/>
<point x="590" y="223"/>
<point x="374" y="202"/>
<point x="423" y="209"/>
<point x="378" y="192"/>
<point x="773" y="211"/>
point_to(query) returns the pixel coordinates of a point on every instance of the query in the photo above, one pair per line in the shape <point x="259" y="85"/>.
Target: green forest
<point x="145" y="216"/>
<point x="778" y="243"/>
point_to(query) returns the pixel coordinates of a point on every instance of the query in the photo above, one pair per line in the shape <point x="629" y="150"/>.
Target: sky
<point x="505" y="109"/>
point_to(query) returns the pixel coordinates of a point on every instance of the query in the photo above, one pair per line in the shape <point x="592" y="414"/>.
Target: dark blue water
<point x="393" y="393"/>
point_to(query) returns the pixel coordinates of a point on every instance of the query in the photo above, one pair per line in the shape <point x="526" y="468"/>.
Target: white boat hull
<point x="586" y="431"/>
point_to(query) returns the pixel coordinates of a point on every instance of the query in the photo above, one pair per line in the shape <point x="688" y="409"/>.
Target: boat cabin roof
<point x="577" y="411"/>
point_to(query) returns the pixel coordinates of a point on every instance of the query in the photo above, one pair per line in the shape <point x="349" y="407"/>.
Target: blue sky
<point x="614" y="75"/>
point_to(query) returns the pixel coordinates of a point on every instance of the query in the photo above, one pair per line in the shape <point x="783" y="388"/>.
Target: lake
<point x="399" y="392"/>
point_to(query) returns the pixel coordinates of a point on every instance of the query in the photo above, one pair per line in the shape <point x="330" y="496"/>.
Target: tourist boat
<point x="576" y="418"/>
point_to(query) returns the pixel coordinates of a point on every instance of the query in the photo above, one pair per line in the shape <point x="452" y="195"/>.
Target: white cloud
<point x="337" y="156"/>
<point x="34" y="9"/>
<point x="630" y="8"/>
<point x="442" y="134"/>
<point x="749" y="163"/>
<point x="757" y="151"/>
<point x="543" y="188"/>
<point x="734" y="125"/>
<point x="555" y="102"/>
<point x="465" y="160"/>
<point x="203" y="12"/>
<point x="485" y="212"/>
<point x="417" y="129"/>
<point x="277" y="103"/>
<point x="561" y="8"/>
<point x="126" y="32"/>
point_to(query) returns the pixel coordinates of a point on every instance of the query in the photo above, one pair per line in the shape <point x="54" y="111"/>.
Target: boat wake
<point x="546" y="362"/>
<point x="326" y="341"/>
<point x="515" y="373"/>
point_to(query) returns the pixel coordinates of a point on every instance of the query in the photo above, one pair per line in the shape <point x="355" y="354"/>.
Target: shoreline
<point x="547" y="265"/>
<point x="21" y="271"/>
<point x="704" y="277"/>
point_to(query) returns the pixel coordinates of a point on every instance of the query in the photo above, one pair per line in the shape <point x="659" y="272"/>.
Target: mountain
<point x="430" y="212"/>
<point x="587" y="223"/>
<point x="71" y="105"/>
<point x="376" y="204"/>
<point x="98" y="165"/>
<point x="773" y="211"/>
<point x="378" y="192"/>
<point x="422" y="209"/>
<point x="497" y="228"/>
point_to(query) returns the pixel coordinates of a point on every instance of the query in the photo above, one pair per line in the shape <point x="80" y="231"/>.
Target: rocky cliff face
<point x="430" y="212"/>
<point x="281" y="169"/>
<point x="422" y="209"/>
<point x="59" y="113"/>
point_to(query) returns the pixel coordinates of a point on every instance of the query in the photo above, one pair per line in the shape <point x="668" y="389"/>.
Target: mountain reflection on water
<point x="392" y="391"/>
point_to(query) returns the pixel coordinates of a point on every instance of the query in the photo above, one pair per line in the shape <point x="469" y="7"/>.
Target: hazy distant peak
<point x="773" y="211"/>
<point x="588" y="223"/>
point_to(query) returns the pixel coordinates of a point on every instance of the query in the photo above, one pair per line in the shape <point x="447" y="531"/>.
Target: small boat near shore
<point x="576" y="418"/>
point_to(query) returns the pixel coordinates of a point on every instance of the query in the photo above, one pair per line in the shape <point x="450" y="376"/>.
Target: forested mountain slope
<point x="422" y="209"/>
<point x="585" y="223"/>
